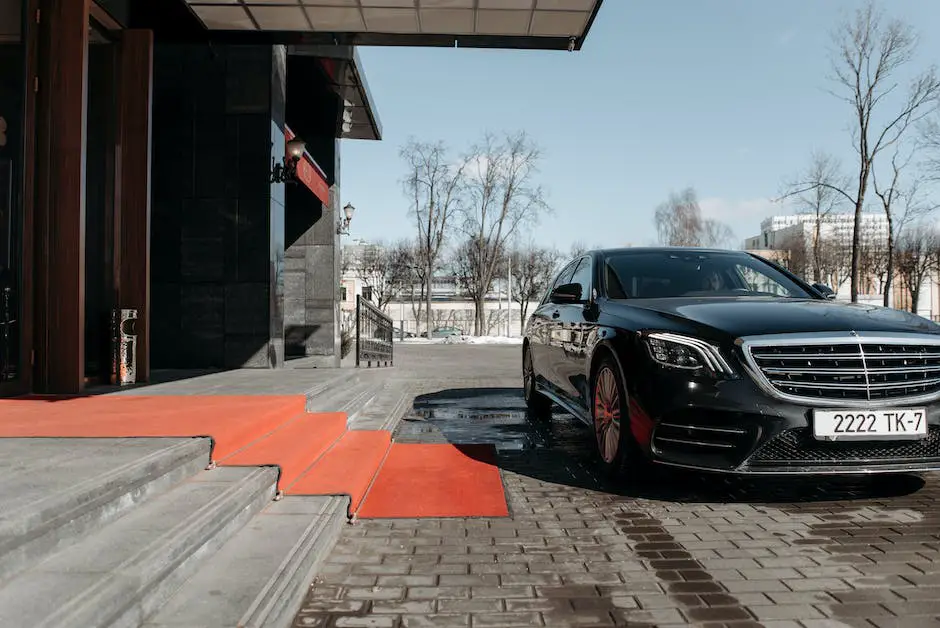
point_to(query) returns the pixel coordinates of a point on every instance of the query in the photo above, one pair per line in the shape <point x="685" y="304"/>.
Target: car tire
<point x="540" y="406"/>
<point x="617" y="451"/>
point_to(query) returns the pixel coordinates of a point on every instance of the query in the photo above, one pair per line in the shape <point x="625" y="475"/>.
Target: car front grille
<point x="850" y="370"/>
<point x="798" y="447"/>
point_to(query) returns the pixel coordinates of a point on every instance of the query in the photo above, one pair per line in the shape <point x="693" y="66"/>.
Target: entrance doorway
<point x="12" y="122"/>
<point x="101" y="128"/>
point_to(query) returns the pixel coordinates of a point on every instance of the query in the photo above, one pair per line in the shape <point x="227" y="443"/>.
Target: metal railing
<point x="374" y="335"/>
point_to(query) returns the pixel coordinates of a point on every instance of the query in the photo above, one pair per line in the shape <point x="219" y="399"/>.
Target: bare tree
<point x="903" y="202"/>
<point x="815" y="192"/>
<point x="917" y="255"/>
<point x="532" y="271"/>
<point x="836" y="260"/>
<point x="930" y="142"/>
<point x="679" y="222"/>
<point x="433" y="184"/>
<point x="868" y="56"/>
<point x="798" y="258"/>
<point x="407" y="275"/>
<point x="501" y="195"/>
<point x="467" y="262"/>
<point x="375" y="268"/>
<point x="578" y="248"/>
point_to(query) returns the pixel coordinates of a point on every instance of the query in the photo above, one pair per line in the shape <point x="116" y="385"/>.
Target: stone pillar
<point x="312" y="316"/>
<point x="218" y="221"/>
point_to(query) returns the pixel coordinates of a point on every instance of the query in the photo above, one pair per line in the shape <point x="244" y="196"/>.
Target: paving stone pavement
<point x="674" y="550"/>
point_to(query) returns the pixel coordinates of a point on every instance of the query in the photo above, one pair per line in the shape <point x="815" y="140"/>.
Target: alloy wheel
<point x="607" y="414"/>
<point x="527" y="375"/>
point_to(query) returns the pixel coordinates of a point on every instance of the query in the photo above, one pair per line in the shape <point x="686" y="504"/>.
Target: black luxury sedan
<point x="724" y="361"/>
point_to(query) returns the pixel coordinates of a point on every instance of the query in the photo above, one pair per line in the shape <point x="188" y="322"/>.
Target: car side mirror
<point x="566" y="293"/>
<point x="824" y="290"/>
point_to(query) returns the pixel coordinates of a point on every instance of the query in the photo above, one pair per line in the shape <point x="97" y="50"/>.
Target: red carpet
<point x="294" y="446"/>
<point x="232" y="421"/>
<point x="437" y="481"/>
<point x="315" y="452"/>
<point x="348" y="468"/>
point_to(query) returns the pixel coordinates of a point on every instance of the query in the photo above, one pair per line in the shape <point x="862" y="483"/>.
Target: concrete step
<point x="386" y="409"/>
<point x="124" y="571"/>
<point x="259" y="578"/>
<point x="351" y="396"/>
<point x="55" y="491"/>
<point x="342" y="378"/>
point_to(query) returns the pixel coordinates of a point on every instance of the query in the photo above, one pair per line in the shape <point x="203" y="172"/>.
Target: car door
<point x="574" y="332"/>
<point x="542" y="328"/>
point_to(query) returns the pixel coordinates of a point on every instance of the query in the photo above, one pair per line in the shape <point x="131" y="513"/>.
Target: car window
<point x="583" y="276"/>
<point x="757" y="281"/>
<point x="664" y="274"/>
<point x="563" y="277"/>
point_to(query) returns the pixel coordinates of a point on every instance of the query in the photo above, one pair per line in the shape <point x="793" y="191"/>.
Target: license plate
<point x="881" y="424"/>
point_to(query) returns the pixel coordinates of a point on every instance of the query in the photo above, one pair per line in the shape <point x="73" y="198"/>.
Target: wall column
<point x="60" y="199"/>
<point x="132" y="198"/>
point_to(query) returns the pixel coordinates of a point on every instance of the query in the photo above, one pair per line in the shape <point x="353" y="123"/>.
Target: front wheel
<point x="539" y="405"/>
<point x="616" y="448"/>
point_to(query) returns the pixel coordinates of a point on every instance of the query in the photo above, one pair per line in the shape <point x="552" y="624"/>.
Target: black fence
<point x="374" y="335"/>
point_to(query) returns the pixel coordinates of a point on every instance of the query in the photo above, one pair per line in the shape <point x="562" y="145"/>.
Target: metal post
<point x="358" y="336"/>
<point x="509" y="296"/>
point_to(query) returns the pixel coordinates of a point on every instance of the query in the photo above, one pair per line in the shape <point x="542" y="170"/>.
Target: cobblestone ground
<point x="673" y="551"/>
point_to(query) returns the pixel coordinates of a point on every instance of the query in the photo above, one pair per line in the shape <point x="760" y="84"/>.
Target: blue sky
<point x="728" y="96"/>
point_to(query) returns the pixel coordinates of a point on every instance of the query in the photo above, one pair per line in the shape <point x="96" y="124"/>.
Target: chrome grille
<point x="856" y="370"/>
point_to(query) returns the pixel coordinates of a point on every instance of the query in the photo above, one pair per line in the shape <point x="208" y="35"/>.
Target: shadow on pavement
<point x="560" y="450"/>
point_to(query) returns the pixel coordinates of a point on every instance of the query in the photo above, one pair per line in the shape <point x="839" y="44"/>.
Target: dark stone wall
<point x="99" y="216"/>
<point x="12" y="90"/>
<point x="312" y="264"/>
<point x="217" y="236"/>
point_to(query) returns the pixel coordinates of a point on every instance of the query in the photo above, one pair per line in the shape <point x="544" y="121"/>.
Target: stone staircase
<point x="135" y="532"/>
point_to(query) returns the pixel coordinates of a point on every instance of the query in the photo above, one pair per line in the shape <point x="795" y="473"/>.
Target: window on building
<point x="367" y="293"/>
<point x="343" y="293"/>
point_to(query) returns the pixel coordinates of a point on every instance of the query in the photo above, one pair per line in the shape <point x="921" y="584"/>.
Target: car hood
<point x="745" y="316"/>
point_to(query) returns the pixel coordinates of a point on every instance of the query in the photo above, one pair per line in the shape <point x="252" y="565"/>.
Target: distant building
<point x="788" y="240"/>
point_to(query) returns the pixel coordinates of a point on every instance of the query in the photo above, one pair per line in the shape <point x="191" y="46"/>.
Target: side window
<point x="563" y="277"/>
<point x="583" y="276"/>
<point x="757" y="281"/>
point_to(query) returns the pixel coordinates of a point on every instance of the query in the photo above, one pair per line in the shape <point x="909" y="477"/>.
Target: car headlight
<point x="691" y="354"/>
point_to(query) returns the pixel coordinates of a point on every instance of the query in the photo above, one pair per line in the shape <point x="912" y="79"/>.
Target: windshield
<point x="664" y="274"/>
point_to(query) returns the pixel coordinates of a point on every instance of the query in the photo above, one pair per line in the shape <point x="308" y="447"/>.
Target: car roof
<point x="664" y="249"/>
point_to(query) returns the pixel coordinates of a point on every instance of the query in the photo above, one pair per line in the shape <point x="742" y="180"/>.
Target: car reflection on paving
<point x="496" y="417"/>
<point x="723" y="361"/>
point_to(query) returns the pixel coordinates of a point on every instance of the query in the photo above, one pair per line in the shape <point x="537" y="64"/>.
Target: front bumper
<point x="733" y="427"/>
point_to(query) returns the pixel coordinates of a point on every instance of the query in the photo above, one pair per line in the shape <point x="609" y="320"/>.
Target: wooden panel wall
<point x="59" y="211"/>
<point x="132" y="207"/>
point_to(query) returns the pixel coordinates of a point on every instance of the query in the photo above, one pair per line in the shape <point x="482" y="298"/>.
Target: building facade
<point x="139" y="146"/>
<point x="788" y="240"/>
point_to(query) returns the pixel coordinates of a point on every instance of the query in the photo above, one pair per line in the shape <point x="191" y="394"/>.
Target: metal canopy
<point x="359" y="120"/>
<point x="548" y="24"/>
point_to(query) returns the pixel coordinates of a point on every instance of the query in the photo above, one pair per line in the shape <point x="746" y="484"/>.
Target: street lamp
<point x="286" y="172"/>
<point x="342" y="228"/>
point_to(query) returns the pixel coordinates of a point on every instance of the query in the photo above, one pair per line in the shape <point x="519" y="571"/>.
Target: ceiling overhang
<point x="536" y="24"/>
<point x="358" y="118"/>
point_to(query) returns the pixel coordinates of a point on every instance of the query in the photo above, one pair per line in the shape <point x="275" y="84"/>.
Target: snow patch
<point x="464" y="340"/>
